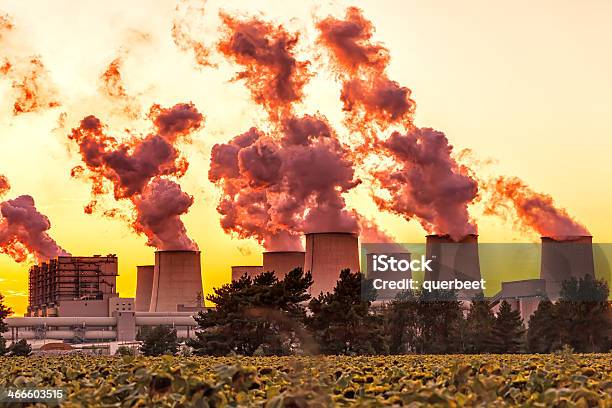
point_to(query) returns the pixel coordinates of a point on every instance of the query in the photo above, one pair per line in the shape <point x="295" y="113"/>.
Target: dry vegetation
<point x="564" y="379"/>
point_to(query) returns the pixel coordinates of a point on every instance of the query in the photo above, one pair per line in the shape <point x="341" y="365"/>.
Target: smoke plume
<point x="159" y="209"/>
<point x="271" y="72"/>
<point x="113" y="88"/>
<point x="5" y="186"/>
<point x="276" y="189"/>
<point x="369" y="97"/>
<point x="423" y="181"/>
<point x="32" y="89"/>
<point x="186" y="13"/>
<point x="135" y="168"/>
<point x="427" y="183"/>
<point x="24" y="231"/>
<point x="534" y="211"/>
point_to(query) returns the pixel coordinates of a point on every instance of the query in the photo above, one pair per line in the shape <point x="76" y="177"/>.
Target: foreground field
<point x="508" y="380"/>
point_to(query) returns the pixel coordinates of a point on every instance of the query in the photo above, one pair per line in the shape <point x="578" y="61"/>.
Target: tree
<point x="440" y="321"/>
<point x="341" y="321"/>
<point x="401" y="322"/>
<point x="479" y="322"/>
<point x="543" y="333"/>
<point x="21" y="348"/>
<point x="160" y="340"/>
<point x="583" y="314"/>
<point x="5" y="312"/>
<point x="261" y="314"/>
<point x="508" y="330"/>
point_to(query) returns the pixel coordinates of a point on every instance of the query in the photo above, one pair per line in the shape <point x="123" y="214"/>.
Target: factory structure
<point x="75" y="299"/>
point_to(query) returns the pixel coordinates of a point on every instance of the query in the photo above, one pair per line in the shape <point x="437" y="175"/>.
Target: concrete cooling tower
<point x="562" y="259"/>
<point x="281" y="262"/>
<point x="177" y="280"/>
<point x="453" y="260"/>
<point x="327" y="253"/>
<point x="240" y="270"/>
<point x="144" y="286"/>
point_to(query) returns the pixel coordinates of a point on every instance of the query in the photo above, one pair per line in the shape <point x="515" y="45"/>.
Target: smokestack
<point x="327" y="253"/>
<point x="565" y="258"/>
<point x="251" y="271"/>
<point x="144" y="286"/>
<point x="282" y="262"/>
<point x="177" y="279"/>
<point x="454" y="260"/>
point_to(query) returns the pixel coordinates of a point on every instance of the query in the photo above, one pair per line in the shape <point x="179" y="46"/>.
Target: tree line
<point x="267" y="316"/>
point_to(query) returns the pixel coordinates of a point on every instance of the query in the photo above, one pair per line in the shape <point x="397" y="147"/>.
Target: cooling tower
<point x="177" y="280"/>
<point x="239" y="271"/>
<point x="327" y="253"/>
<point x="144" y="286"/>
<point x="562" y="259"/>
<point x="453" y="260"/>
<point x="281" y="262"/>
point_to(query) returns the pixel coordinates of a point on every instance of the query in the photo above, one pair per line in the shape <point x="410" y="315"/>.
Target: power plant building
<point x="454" y="260"/>
<point x="144" y="287"/>
<point x="282" y="262"/>
<point x="563" y="259"/>
<point x="177" y="281"/>
<point x="327" y="253"/>
<point x="75" y="286"/>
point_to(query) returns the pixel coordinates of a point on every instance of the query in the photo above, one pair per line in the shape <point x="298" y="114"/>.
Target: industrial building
<point x="327" y="253"/>
<point x="282" y="262"/>
<point x="173" y="284"/>
<point x="454" y="260"/>
<point x="562" y="259"/>
<point x="75" y="298"/>
<point x="76" y="286"/>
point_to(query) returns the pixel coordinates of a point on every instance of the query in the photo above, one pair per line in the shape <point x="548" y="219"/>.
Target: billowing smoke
<point x="423" y="180"/>
<point x="368" y="95"/>
<point x="112" y="87"/>
<point x="275" y="190"/>
<point x="278" y="186"/>
<point x="5" y="186"/>
<point x="535" y="211"/>
<point x="135" y="168"/>
<point x="159" y="209"/>
<point x="427" y="183"/>
<point x="24" y="231"/>
<point x="271" y="72"/>
<point x="32" y="89"/>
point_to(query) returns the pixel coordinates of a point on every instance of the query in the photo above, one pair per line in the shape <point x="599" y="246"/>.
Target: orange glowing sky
<point x="525" y="83"/>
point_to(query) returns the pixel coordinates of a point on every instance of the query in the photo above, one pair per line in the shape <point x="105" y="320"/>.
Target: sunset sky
<point x="527" y="86"/>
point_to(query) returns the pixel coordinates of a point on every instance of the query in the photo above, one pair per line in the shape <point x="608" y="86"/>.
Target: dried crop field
<point x="567" y="380"/>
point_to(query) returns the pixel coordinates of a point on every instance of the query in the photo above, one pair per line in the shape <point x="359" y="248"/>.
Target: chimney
<point x="453" y="260"/>
<point x="144" y="286"/>
<point x="565" y="258"/>
<point x="177" y="279"/>
<point x="281" y="262"/>
<point x="327" y="253"/>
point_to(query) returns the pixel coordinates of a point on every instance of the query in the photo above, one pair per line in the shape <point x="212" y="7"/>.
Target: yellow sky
<point x="526" y="83"/>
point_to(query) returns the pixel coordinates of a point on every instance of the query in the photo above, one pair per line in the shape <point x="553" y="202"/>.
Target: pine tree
<point x="5" y="312"/>
<point x="508" y="330"/>
<point x="342" y="322"/>
<point x="260" y="314"/>
<point x="543" y="334"/>
<point x="479" y="326"/>
<point x="583" y="314"/>
<point x="159" y="341"/>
